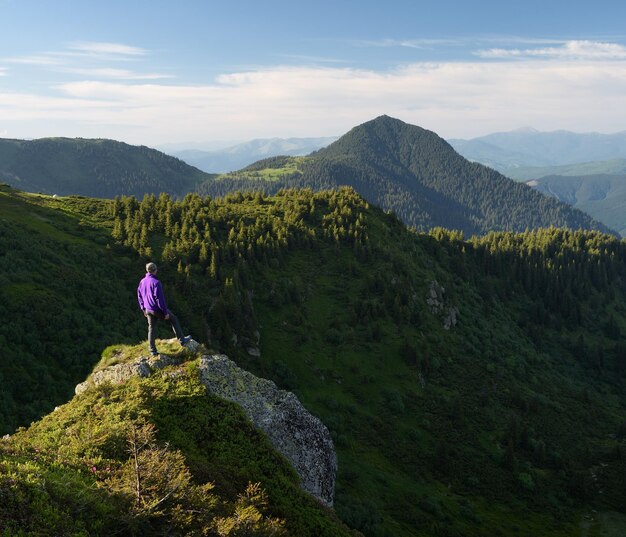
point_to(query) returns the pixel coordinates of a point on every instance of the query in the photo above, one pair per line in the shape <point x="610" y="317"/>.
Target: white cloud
<point x="121" y="74"/>
<point x="87" y="60"/>
<point x="570" y="50"/>
<point x="407" y="43"/>
<point x="455" y="99"/>
<point x="34" y="60"/>
<point x="313" y="59"/>
<point x="106" y="49"/>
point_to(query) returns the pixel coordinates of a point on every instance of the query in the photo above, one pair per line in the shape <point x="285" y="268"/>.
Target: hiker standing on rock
<point x="152" y="303"/>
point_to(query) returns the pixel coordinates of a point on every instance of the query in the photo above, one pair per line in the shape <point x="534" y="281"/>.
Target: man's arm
<point x="140" y="299"/>
<point x="160" y="300"/>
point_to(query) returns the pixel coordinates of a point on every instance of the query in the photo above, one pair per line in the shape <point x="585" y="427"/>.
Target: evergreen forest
<point x="473" y="386"/>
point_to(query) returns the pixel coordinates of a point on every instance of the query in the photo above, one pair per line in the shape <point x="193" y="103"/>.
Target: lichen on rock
<point x="295" y="433"/>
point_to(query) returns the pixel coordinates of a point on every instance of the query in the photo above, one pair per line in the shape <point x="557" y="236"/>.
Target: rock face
<point x="436" y="300"/>
<point x="298" y="435"/>
<point x="293" y="431"/>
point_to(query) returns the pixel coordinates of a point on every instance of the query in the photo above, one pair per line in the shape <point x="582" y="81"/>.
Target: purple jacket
<point x="150" y="295"/>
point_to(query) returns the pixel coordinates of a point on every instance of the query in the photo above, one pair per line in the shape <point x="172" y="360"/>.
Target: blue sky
<point x="157" y="72"/>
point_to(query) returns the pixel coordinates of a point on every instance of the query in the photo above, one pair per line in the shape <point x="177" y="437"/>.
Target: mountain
<point x="507" y="151"/>
<point x="414" y="173"/>
<point x="471" y="387"/>
<point x="96" y="168"/>
<point x="602" y="196"/>
<point x="241" y="155"/>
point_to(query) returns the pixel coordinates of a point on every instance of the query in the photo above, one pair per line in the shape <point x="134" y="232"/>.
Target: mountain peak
<point x="525" y="130"/>
<point x="386" y="136"/>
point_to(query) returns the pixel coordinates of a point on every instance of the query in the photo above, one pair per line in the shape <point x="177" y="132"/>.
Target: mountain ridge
<point x="600" y="195"/>
<point x="93" y="167"/>
<point x="417" y="174"/>
<point x="506" y="151"/>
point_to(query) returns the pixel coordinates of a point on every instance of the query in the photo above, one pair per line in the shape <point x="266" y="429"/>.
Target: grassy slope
<point x="424" y="449"/>
<point x="66" y="291"/>
<point x="58" y="476"/>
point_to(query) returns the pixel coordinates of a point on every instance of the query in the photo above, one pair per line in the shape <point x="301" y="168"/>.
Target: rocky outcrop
<point x="436" y="301"/>
<point x="144" y="366"/>
<point x="293" y="431"/>
<point x="298" y="435"/>
<point x="120" y="373"/>
<point x="451" y="318"/>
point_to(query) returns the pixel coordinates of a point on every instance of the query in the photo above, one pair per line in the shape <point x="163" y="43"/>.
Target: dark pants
<point x="152" y="319"/>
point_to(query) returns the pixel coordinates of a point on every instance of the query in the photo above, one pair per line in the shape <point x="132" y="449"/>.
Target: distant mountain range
<point x="97" y="168"/>
<point x="241" y="155"/>
<point x="415" y="173"/>
<point x="609" y="167"/>
<point x="524" y="148"/>
<point x="400" y="167"/>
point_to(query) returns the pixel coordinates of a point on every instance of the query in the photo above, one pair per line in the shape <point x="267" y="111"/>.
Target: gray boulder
<point x="294" y="432"/>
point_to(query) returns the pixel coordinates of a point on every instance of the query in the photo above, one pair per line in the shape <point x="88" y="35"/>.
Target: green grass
<point x="58" y="476"/>
<point x="292" y="167"/>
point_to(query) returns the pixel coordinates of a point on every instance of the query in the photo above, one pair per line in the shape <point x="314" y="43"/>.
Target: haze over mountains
<point x="241" y="155"/>
<point x="586" y="170"/>
<point x="528" y="147"/>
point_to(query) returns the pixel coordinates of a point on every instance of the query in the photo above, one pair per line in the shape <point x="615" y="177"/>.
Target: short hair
<point x="151" y="268"/>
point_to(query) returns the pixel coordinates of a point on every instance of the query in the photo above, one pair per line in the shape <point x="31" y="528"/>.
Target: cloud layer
<point x="570" y="50"/>
<point x="578" y="85"/>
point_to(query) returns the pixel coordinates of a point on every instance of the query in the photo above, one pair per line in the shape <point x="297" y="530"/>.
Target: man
<point x="152" y="303"/>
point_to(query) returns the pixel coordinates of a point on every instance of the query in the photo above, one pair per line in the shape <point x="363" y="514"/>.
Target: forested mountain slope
<point x="603" y="196"/>
<point x="471" y="387"/>
<point x="416" y="174"/>
<point x="95" y="168"/>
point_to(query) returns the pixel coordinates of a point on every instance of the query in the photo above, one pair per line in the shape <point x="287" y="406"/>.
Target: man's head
<point x="151" y="268"/>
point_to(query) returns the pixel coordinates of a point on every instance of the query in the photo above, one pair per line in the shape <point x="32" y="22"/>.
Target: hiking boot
<point x="183" y="341"/>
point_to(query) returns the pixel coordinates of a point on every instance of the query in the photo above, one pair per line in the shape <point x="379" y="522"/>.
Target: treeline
<point x="559" y="279"/>
<point x="205" y="235"/>
<point x="224" y="241"/>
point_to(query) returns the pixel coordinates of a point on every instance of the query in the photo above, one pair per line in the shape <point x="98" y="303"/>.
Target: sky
<point x="173" y="73"/>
